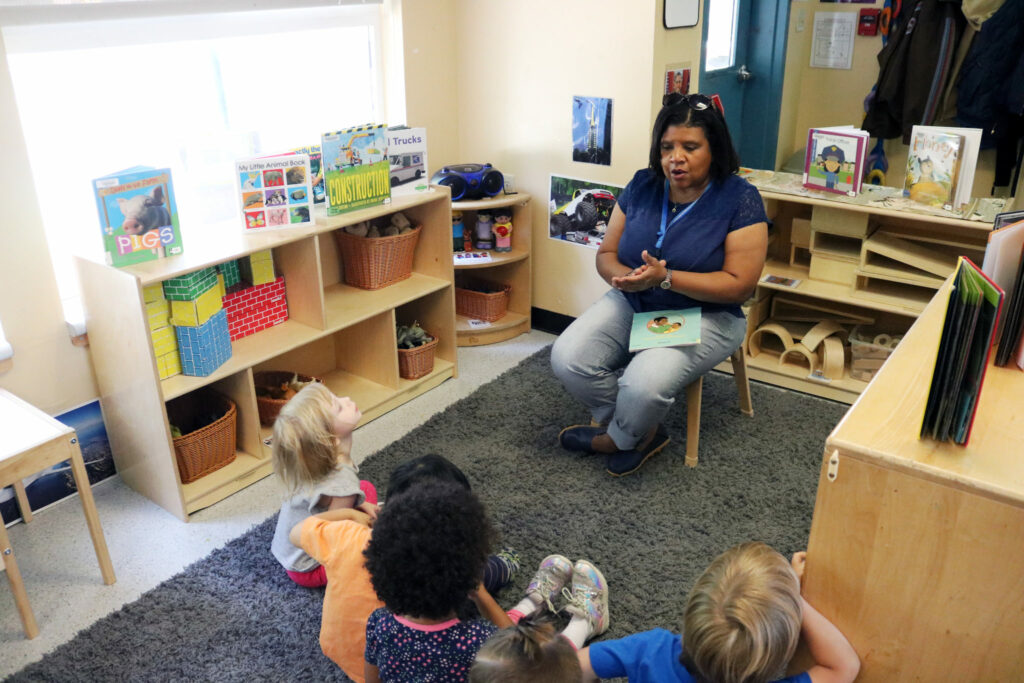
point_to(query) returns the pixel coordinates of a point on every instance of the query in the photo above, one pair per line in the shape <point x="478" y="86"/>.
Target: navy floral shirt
<point x="404" y="651"/>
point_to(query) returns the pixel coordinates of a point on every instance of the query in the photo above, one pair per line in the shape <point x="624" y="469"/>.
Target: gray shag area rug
<point x="235" y="616"/>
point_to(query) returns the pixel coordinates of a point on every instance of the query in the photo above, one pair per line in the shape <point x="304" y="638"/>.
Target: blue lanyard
<point x="675" y="219"/>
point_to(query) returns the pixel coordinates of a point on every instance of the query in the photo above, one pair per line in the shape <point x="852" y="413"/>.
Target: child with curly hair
<point x="312" y="442"/>
<point x="743" y="619"/>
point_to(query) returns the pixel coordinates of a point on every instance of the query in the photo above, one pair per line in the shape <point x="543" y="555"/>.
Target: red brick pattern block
<point x="256" y="308"/>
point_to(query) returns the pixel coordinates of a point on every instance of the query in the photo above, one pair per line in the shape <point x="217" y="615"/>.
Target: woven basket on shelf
<point x="481" y="305"/>
<point x="417" y="362"/>
<point x="201" y="451"/>
<point x="375" y="262"/>
<point x="270" y="407"/>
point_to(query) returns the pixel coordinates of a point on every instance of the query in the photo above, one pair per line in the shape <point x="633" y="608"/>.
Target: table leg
<point x="26" y="509"/>
<point x="28" y="621"/>
<point x="89" y="508"/>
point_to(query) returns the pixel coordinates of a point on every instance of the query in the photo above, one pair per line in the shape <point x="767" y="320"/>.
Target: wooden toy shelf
<point x="340" y="333"/>
<point x="505" y="268"/>
<point x="853" y="261"/>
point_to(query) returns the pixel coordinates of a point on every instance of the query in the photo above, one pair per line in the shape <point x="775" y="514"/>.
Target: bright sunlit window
<point x="189" y="93"/>
<point x="721" y="47"/>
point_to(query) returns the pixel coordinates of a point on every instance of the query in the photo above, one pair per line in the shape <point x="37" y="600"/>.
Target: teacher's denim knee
<point x="589" y="354"/>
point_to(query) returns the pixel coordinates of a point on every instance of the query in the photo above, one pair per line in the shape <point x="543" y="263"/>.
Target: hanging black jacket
<point x="913" y="68"/>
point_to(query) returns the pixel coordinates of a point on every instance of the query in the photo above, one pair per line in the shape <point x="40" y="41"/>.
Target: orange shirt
<point x="350" y="598"/>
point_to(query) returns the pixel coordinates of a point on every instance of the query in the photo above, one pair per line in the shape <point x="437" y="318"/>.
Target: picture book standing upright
<point x="316" y="171"/>
<point x="1004" y="263"/>
<point x="355" y="163"/>
<point x="940" y="165"/>
<point x="138" y="215"/>
<point x="407" y="154"/>
<point x="835" y="159"/>
<point x="274" y="192"/>
<point x="971" y="317"/>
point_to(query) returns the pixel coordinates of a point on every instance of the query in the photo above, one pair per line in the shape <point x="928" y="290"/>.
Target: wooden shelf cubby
<point x="505" y="268"/>
<point x="827" y="245"/>
<point x="344" y="334"/>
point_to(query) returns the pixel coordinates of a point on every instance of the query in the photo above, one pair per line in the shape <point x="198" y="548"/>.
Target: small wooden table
<point x="31" y="441"/>
<point x="915" y="550"/>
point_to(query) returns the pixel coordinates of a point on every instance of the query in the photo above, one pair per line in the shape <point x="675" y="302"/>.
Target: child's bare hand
<point x="799" y="563"/>
<point x="371" y="511"/>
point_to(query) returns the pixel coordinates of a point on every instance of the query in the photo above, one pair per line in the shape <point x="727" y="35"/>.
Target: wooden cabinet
<point x="341" y="333"/>
<point x="869" y="264"/>
<point x="915" y="550"/>
<point x="506" y="268"/>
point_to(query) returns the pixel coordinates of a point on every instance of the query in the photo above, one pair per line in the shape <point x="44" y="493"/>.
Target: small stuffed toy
<point x="502" y="230"/>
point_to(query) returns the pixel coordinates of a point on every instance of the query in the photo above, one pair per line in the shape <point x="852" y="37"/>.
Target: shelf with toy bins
<point x="328" y="329"/>
<point x="505" y="268"/>
<point x="866" y="270"/>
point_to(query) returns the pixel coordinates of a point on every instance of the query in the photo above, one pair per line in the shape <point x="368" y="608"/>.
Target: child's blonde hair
<point x="743" y="616"/>
<point x="304" y="449"/>
<point x="529" y="652"/>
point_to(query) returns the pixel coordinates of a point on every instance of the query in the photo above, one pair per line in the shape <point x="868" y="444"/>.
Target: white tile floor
<point x="148" y="545"/>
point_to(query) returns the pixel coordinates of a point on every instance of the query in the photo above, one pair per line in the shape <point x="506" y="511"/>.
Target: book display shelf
<point x="914" y="551"/>
<point x="342" y="334"/>
<point x="863" y="266"/>
<point x="510" y="268"/>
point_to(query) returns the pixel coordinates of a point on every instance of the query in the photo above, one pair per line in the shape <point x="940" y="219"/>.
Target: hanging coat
<point x="913" y="68"/>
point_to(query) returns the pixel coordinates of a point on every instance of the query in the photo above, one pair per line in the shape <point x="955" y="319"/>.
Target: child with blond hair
<point x="743" y="619"/>
<point x="311" y="447"/>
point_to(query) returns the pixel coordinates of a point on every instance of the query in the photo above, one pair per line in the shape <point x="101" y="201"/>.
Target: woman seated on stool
<point x="687" y="231"/>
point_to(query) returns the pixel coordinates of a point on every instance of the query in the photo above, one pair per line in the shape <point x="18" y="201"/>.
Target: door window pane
<point x="721" y="47"/>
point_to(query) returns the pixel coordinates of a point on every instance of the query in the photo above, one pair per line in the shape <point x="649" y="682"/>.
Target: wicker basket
<point x="417" y="362"/>
<point x="208" y="448"/>
<point x="375" y="262"/>
<point x="270" y="407"/>
<point x="480" y="305"/>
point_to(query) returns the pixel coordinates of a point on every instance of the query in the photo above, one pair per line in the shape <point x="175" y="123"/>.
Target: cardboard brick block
<point x="256" y="308"/>
<point x="153" y="292"/>
<point x="203" y="349"/>
<point x="159" y="313"/>
<point x="257" y="268"/>
<point x="195" y="312"/>
<point x="169" y="364"/>
<point x="190" y="286"/>
<point x="231" y="273"/>
<point x="164" y="341"/>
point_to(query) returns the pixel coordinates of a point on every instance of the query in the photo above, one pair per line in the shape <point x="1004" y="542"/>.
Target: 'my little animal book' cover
<point x="138" y="215"/>
<point x="665" y="328"/>
<point x="275" y="192"/>
<point x="355" y="163"/>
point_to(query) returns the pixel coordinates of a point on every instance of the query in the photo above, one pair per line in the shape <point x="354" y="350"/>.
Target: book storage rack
<point x="340" y="333"/>
<point x="857" y="264"/>
<point x="510" y="268"/>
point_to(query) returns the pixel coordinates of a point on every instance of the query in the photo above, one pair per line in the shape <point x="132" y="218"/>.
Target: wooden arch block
<point x="800" y="351"/>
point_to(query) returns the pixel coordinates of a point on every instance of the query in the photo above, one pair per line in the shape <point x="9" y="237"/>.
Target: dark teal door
<point x="743" y="61"/>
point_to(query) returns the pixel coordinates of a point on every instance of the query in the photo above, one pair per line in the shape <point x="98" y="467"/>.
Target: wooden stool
<point x="693" y="398"/>
<point x="33" y="441"/>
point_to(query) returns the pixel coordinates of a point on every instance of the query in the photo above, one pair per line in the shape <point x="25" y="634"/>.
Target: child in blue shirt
<point x="743" y="619"/>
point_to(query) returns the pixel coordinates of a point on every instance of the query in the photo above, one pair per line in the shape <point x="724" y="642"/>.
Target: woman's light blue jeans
<point x="586" y="358"/>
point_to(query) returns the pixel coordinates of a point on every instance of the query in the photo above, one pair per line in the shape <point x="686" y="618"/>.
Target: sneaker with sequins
<point x="588" y="597"/>
<point x="552" y="575"/>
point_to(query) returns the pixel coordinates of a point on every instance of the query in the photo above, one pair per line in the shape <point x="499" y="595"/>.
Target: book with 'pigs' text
<point x="138" y="215"/>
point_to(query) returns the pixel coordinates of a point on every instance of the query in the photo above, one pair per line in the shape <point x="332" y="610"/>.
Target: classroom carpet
<point x="235" y="615"/>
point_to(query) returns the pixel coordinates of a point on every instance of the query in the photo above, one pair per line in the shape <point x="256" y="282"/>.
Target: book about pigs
<point x="274" y="192"/>
<point x="355" y="163"/>
<point x="138" y="215"/>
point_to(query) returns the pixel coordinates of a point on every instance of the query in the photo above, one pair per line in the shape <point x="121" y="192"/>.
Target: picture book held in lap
<point x="665" y="328"/>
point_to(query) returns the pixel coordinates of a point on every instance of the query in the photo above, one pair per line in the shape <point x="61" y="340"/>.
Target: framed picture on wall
<point x="677" y="79"/>
<point x="681" y="13"/>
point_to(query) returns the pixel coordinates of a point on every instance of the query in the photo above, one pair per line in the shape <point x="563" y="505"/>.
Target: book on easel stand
<point x="971" y="316"/>
<point x="940" y="165"/>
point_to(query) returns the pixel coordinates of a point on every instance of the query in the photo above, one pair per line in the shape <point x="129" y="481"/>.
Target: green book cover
<point x="665" y="328"/>
<point x="356" y="168"/>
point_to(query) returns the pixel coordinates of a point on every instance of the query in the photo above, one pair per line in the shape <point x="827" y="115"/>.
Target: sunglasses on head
<point x="697" y="102"/>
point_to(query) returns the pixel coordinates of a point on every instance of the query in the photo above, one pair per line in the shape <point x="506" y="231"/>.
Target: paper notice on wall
<point x="832" y="47"/>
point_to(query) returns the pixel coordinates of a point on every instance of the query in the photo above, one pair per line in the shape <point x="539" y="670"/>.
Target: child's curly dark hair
<point x="428" y="549"/>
